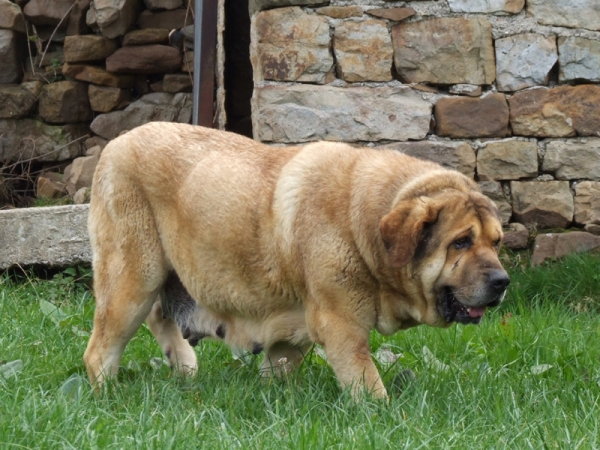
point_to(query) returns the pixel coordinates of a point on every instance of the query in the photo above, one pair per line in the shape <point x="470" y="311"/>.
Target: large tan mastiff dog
<point x="207" y="233"/>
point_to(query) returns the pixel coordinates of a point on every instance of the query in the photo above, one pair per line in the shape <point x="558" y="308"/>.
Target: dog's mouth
<point x="454" y="311"/>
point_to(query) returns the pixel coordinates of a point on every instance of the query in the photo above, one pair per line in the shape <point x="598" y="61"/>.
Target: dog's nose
<point x="498" y="280"/>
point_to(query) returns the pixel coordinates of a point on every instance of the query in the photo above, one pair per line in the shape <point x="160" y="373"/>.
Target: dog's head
<point x="447" y="244"/>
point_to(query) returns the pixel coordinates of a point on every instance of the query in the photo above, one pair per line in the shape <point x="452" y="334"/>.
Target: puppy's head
<point x="447" y="244"/>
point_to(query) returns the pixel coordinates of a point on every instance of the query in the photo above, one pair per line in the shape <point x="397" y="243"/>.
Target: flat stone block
<point x="587" y="202"/>
<point x="445" y="51"/>
<point x="558" y="245"/>
<point x="493" y="189"/>
<point x="546" y="204"/>
<point x="257" y="5"/>
<point x="293" y="114"/>
<point x="463" y="117"/>
<point x="454" y="155"/>
<point x="514" y="57"/>
<point x="363" y="51"/>
<point x="497" y="7"/>
<point x="566" y="13"/>
<point x="573" y="159"/>
<point x="507" y="160"/>
<point x="564" y="111"/>
<point x="291" y="45"/>
<point x="579" y="59"/>
<point x="53" y="236"/>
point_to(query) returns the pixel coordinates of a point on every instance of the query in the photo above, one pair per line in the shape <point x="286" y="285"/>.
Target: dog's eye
<point x="462" y="243"/>
<point x="497" y="243"/>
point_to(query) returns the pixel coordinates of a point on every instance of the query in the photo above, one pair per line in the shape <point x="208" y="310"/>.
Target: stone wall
<point x="76" y="73"/>
<point x="505" y="91"/>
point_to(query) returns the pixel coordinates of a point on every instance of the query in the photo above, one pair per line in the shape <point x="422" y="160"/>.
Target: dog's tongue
<point x="476" y="312"/>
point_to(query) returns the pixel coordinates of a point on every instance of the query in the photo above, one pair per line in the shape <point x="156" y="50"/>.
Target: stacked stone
<point x="105" y="66"/>
<point x="503" y="91"/>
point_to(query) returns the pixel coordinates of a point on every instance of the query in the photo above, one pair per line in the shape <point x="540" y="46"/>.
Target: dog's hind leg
<point x="129" y="270"/>
<point x="168" y="334"/>
<point x="121" y="307"/>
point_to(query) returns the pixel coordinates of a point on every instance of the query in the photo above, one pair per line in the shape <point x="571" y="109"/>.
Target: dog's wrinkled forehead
<point x="475" y="209"/>
<point x="473" y="214"/>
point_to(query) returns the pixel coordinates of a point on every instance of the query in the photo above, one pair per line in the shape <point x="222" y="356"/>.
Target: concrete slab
<point x="52" y="236"/>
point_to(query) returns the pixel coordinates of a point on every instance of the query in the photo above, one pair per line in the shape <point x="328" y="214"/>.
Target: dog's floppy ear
<point x="401" y="229"/>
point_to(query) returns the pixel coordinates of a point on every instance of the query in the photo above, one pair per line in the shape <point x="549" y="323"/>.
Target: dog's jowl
<point x="207" y="234"/>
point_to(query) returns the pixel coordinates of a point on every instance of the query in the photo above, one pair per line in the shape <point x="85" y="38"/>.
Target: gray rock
<point x="545" y="204"/>
<point x="494" y="191"/>
<point x="557" y="245"/>
<point x="177" y="82"/>
<point x="293" y="114"/>
<point x="393" y="14"/>
<point x="105" y="98"/>
<point x="587" y="202"/>
<point x="76" y="23"/>
<point x="563" y="111"/>
<point x="445" y="51"/>
<point x="93" y="151"/>
<point x="163" y="4"/>
<point x="573" y="159"/>
<point x="24" y="139"/>
<point x="341" y="12"/>
<point x="516" y="237"/>
<point x="80" y="173"/>
<point x="499" y="7"/>
<point x="12" y="56"/>
<point x="147" y="36"/>
<point x="54" y="236"/>
<point x="49" y="188"/>
<point x="97" y="75"/>
<point x="363" y="51"/>
<point x="16" y="101"/>
<point x="88" y="48"/>
<point x="170" y="20"/>
<point x="188" y="62"/>
<point x="145" y="59"/>
<point x="579" y="59"/>
<point x="258" y="5"/>
<point x="11" y="17"/>
<point x="154" y="107"/>
<point x="95" y="141"/>
<point x="113" y="17"/>
<point x="507" y="160"/>
<point x="454" y="155"/>
<point x="566" y="13"/>
<point x="592" y="228"/>
<point x="464" y="117"/>
<point x="43" y="12"/>
<point x="470" y="90"/>
<point x="292" y="46"/>
<point x="524" y="60"/>
<point x="82" y="196"/>
<point x="65" y="102"/>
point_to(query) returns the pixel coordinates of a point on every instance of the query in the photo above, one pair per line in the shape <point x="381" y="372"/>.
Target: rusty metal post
<point x="205" y="48"/>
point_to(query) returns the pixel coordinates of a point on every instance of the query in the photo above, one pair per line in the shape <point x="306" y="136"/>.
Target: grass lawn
<point x="527" y="377"/>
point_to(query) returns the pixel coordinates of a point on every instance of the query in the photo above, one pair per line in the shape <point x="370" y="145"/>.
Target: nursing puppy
<point x="277" y="248"/>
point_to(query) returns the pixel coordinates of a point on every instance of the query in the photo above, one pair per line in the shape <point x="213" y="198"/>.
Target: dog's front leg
<point x="346" y="345"/>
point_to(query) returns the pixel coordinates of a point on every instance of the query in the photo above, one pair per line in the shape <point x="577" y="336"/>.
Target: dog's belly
<point x="198" y="320"/>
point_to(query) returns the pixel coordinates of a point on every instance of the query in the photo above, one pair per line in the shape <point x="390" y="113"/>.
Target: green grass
<point x="527" y="377"/>
<point x="41" y="201"/>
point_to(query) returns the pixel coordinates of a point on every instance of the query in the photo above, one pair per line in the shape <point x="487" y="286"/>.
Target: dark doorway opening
<point x="238" y="68"/>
